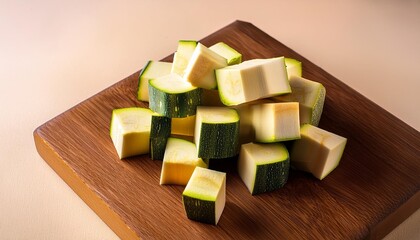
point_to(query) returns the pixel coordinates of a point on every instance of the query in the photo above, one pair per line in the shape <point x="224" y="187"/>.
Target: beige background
<point x="55" y="54"/>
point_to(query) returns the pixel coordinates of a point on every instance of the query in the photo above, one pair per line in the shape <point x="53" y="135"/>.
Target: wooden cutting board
<point x="375" y="187"/>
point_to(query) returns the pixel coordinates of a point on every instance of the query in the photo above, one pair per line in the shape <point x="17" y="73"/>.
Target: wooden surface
<point x="375" y="187"/>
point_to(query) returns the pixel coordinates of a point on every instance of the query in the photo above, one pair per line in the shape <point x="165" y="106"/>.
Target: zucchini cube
<point x="311" y="97"/>
<point x="263" y="167"/>
<point x="179" y="161"/>
<point x="200" y="69"/>
<point x="204" y="196"/>
<point x="216" y="132"/>
<point x="251" y="80"/>
<point x="318" y="151"/>
<point x="130" y="131"/>
<point x="152" y="69"/>
<point x="182" y="56"/>
<point x="173" y="97"/>
<point x="275" y="122"/>
<point x="232" y="56"/>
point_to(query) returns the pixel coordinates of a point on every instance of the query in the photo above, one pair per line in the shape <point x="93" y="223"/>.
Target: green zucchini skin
<point x="270" y="177"/>
<point x="318" y="107"/>
<point x="219" y="140"/>
<point x="174" y="105"/>
<point x="159" y="134"/>
<point x="200" y="210"/>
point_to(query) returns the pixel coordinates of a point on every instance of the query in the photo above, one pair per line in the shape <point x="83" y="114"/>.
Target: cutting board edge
<point x="395" y="218"/>
<point x="70" y="177"/>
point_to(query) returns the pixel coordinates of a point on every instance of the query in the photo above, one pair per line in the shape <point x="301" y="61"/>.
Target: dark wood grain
<point x="375" y="187"/>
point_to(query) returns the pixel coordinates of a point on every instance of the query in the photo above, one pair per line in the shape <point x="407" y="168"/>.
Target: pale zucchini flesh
<point x="232" y="56"/>
<point x="179" y="161"/>
<point x="151" y="70"/>
<point x="200" y="69"/>
<point x="183" y="126"/>
<point x="293" y="67"/>
<point x="252" y="80"/>
<point x="311" y="98"/>
<point x="318" y="151"/>
<point x="130" y="131"/>
<point x="182" y="56"/>
<point x="275" y="122"/>
<point x="246" y="128"/>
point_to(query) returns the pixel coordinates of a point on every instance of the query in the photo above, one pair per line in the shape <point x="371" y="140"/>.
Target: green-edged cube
<point x="263" y="167"/>
<point x="204" y="196"/>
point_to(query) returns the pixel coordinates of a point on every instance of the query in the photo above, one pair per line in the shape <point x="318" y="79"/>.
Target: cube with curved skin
<point x="204" y="196"/>
<point x="263" y="167"/>
<point x="216" y="132"/>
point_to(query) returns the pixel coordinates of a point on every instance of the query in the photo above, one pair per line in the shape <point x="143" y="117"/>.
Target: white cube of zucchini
<point x="152" y="69"/>
<point x="182" y="56"/>
<point x="318" y="151"/>
<point x="246" y="128"/>
<point x="216" y="132"/>
<point x="251" y="80"/>
<point x="293" y="67"/>
<point x="311" y="98"/>
<point x="232" y="56"/>
<point x="204" y="196"/>
<point x="263" y="167"/>
<point x="200" y="69"/>
<point x="275" y="122"/>
<point x="171" y="96"/>
<point x="179" y="162"/>
<point x="130" y="131"/>
<point x="183" y="126"/>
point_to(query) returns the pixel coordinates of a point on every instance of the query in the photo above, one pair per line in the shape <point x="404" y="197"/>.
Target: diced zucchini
<point x="179" y="162"/>
<point x="130" y="131"/>
<point x="171" y="96"/>
<point x="183" y="126"/>
<point x="232" y="56"/>
<point x="182" y="56"/>
<point x="263" y="167"/>
<point x="246" y="128"/>
<point x="152" y="69"/>
<point x="318" y="151"/>
<point x="251" y="80"/>
<point x="293" y="67"/>
<point x="275" y="122"/>
<point x="159" y="134"/>
<point x="311" y="97"/>
<point x="204" y="196"/>
<point x="216" y="132"/>
<point x="200" y="69"/>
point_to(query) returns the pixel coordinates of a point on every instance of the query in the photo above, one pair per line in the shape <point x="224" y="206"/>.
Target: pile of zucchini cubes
<point x="209" y="104"/>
